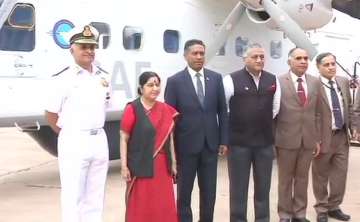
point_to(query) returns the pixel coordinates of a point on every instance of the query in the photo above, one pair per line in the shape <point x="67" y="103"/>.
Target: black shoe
<point x="339" y="215"/>
<point x="284" y="220"/>
<point x="300" y="220"/>
<point x="322" y="217"/>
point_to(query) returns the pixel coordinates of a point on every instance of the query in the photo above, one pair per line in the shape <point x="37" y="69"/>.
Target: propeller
<point x="289" y="27"/>
<point x="225" y="30"/>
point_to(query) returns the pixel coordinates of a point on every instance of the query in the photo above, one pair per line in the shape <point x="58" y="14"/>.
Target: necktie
<point x="339" y="122"/>
<point x="301" y="91"/>
<point x="199" y="89"/>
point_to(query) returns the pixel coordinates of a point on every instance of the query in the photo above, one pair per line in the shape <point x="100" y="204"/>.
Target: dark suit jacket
<point x="325" y="119"/>
<point x="196" y="124"/>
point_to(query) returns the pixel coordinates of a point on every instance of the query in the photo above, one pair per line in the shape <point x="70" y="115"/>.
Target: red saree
<point x="152" y="199"/>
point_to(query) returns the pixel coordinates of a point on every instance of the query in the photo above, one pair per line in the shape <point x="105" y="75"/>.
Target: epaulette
<point x="56" y="74"/>
<point x="102" y="70"/>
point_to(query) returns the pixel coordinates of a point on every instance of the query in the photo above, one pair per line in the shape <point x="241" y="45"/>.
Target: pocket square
<point x="272" y="88"/>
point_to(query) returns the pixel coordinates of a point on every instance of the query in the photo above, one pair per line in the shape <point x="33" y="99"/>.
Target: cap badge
<point x="87" y="32"/>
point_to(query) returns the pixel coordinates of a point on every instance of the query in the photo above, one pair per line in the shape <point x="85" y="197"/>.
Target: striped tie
<point x="301" y="91"/>
<point x="199" y="89"/>
<point x="339" y="122"/>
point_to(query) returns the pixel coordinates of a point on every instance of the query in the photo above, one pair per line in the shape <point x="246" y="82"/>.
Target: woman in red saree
<point x="150" y="165"/>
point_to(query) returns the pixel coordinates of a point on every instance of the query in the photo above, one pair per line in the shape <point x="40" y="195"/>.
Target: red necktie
<point x="301" y="92"/>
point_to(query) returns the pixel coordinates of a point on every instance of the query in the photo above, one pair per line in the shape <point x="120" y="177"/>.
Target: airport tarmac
<point x="30" y="187"/>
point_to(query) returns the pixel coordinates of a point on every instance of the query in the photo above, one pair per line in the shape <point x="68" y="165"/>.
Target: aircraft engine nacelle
<point x="309" y="14"/>
<point x="258" y="16"/>
<point x="254" y="5"/>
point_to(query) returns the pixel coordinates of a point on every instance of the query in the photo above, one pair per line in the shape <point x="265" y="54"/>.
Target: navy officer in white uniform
<point x="76" y="111"/>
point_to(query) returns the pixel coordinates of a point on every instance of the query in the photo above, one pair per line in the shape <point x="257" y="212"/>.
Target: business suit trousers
<point x="204" y="165"/>
<point x="329" y="170"/>
<point x="83" y="164"/>
<point x="240" y="160"/>
<point x="293" y="172"/>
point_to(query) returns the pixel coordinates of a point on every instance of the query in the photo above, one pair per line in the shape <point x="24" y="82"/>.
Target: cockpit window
<point x="22" y="16"/>
<point x="18" y="31"/>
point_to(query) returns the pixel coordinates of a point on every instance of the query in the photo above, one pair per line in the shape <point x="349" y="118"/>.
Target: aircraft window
<point x="18" y="32"/>
<point x="104" y="33"/>
<point x="22" y="16"/>
<point x="221" y="51"/>
<point x="241" y="44"/>
<point x="132" y="37"/>
<point x="171" y="41"/>
<point x="276" y="49"/>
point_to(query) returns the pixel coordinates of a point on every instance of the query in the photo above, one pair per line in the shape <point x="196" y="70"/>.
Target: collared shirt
<point x="79" y="98"/>
<point x="194" y="78"/>
<point x="256" y="78"/>
<point x="327" y="88"/>
<point x="229" y="91"/>
<point x="294" y="79"/>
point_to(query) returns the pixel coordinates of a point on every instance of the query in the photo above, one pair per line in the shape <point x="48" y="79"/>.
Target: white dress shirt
<point x="229" y="91"/>
<point x="294" y="79"/>
<point x="194" y="78"/>
<point x="326" y="85"/>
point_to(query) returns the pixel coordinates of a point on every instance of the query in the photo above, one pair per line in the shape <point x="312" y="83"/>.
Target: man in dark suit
<point x="329" y="169"/>
<point x="253" y="96"/>
<point x="201" y="131"/>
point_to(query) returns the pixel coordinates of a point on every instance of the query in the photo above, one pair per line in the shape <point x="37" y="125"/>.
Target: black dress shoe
<point x="322" y="217"/>
<point x="339" y="215"/>
<point x="285" y="220"/>
<point x="300" y="220"/>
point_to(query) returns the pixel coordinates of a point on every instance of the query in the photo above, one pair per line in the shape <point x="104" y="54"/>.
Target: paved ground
<point x="29" y="186"/>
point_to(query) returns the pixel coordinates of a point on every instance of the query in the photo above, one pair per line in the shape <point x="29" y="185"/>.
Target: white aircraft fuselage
<point x="136" y="36"/>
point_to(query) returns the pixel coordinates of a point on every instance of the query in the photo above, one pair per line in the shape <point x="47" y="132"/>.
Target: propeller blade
<point x="225" y="30"/>
<point x="289" y="27"/>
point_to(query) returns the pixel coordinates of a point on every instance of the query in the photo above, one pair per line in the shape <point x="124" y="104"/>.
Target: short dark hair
<point x="192" y="42"/>
<point x="144" y="77"/>
<point x="320" y="57"/>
